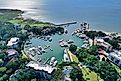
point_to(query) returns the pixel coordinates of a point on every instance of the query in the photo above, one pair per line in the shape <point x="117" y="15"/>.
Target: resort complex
<point x="31" y="50"/>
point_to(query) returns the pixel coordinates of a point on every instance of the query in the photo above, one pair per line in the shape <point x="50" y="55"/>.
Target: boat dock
<point x="46" y="61"/>
<point x="66" y="24"/>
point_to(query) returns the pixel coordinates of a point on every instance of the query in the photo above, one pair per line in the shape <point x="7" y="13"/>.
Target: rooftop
<point x="11" y="52"/>
<point x="36" y="66"/>
<point x="116" y="54"/>
<point x="13" y="41"/>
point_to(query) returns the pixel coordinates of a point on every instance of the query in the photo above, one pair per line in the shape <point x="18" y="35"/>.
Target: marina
<point x="46" y="49"/>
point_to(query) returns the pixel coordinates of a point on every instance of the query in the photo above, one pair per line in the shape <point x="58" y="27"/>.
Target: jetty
<point x="67" y="24"/>
<point x="47" y="61"/>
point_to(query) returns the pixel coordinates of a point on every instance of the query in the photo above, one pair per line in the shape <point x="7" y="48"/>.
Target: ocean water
<point x="101" y="14"/>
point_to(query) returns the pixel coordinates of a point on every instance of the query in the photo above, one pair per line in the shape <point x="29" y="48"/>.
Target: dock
<point x="46" y="61"/>
<point x="66" y="24"/>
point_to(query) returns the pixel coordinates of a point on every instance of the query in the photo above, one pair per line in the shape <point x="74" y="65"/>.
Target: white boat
<point x="70" y="41"/>
<point x="39" y="59"/>
<point x="53" y="61"/>
<point x="50" y="39"/>
<point x="61" y="40"/>
<point x="64" y="44"/>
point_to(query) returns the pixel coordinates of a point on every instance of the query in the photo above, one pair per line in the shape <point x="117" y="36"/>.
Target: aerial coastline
<point x="96" y="45"/>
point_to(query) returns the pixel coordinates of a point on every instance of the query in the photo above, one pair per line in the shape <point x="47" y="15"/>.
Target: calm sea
<point x="101" y="14"/>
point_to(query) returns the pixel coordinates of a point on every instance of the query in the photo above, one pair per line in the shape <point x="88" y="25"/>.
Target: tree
<point x="3" y="56"/>
<point x="92" y="35"/>
<point x="25" y="74"/>
<point x="73" y="48"/>
<point x="26" y="27"/>
<point x="76" y="75"/>
<point x="114" y="43"/>
<point x="101" y="34"/>
<point x="105" y="69"/>
<point x="93" y="49"/>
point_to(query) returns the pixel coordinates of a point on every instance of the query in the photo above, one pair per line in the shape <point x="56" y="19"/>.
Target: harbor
<point x="46" y="49"/>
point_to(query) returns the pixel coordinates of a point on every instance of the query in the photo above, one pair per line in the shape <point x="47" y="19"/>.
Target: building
<point x="66" y="56"/>
<point x="13" y="42"/>
<point x="17" y="26"/>
<point x="46" y="68"/>
<point x="115" y="57"/>
<point x="53" y="61"/>
<point x="84" y="26"/>
<point x="101" y="42"/>
<point x="102" y="54"/>
<point x="12" y="53"/>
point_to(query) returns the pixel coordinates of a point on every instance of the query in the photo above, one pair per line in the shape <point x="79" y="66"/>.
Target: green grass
<point x="6" y="15"/>
<point x="28" y="22"/>
<point x="12" y="16"/>
<point x="89" y="75"/>
<point x="3" y="69"/>
<point x="73" y="57"/>
<point x="33" y="80"/>
<point x="24" y="56"/>
<point x="117" y="69"/>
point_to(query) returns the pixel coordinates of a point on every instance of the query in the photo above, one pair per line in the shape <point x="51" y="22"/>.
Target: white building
<point x="11" y="53"/>
<point x="47" y="68"/>
<point x="13" y="42"/>
<point x="84" y="26"/>
<point x="101" y="42"/>
<point x="66" y="57"/>
<point x="115" y="57"/>
<point x="53" y="61"/>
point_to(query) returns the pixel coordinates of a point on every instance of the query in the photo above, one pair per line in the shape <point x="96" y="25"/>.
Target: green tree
<point x="26" y="27"/>
<point x="73" y="48"/>
<point x="76" y="75"/>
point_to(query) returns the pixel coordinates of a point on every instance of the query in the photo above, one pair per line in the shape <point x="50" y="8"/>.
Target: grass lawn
<point x="3" y="69"/>
<point x="73" y="57"/>
<point x="24" y="56"/>
<point x="6" y="15"/>
<point x="33" y="80"/>
<point x="117" y="69"/>
<point x="28" y="22"/>
<point x="11" y="16"/>
<point x="89" y="75"/>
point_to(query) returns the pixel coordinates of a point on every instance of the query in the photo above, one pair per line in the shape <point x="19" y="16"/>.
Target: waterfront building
<point x="115" y="57"/>
<point x="102" y="54"/>
<point x="12" y="53"/>
<point x="66" y="56"/>
<point x="46" y="68"/>
<point x="84" y="26"/>
<point x="53" y="61"/>
<point x="101" y="42"/>
<point x="13" y="42"/>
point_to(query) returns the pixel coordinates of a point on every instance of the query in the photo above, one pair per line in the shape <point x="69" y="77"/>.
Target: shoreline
<point x="49" y="22"/>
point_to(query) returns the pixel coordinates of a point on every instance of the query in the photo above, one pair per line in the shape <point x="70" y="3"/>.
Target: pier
<point x="66" y="24"/>
<point x="46" y="61"/>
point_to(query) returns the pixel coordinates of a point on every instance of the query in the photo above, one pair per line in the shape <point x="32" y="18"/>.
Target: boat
<point x="61" y="40"/>
<point x="72" y="33"/>
<point x="82" y="36"/>
<point x="53" y="61"/>
<point x="50" y="39"/>
<point x="64" y="44"/>
<point x="42" y="49"/>
<point x="70" y="41"/>
<point x="47" y="46"/>
<point x="66" y="31"/>
<point x="39" y="59"/>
